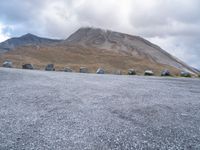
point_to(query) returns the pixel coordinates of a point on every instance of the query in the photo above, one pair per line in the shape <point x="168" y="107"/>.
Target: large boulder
<point x="100" y="71"/>
<point x="27" y="66"/>
<point x="185" y="74"/>
<point x="148" y="73"/>
<point x="165" y="73"/>
<point x="7" y="64"/>
<point x="131" y="72"/>
<point x="50" y="67"/>
<point x="67" y="69"/>
<point x="83" y="70"/>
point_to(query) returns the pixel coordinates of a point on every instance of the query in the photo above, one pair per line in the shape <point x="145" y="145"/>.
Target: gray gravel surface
<point x="56" y="110"/>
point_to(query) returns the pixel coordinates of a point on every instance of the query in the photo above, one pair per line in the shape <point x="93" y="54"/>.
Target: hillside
<point x="93" y="48"/>
<point x="27" y="39"/>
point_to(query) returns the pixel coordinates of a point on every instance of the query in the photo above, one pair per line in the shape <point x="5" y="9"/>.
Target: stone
<point x="50" y="67"/>
<point x="67" y="69"/>
<point x="165" y="73"/>
<point x="148" y="73"/>
<point x="131" y="72"/>
<point x="83" y="70"/>
<point x="100" y="71"/>
<point x="27" y="66"/>
<point x="7" y="64"/>
<point x="118" y="72"/>
<point x="185" y="74"/>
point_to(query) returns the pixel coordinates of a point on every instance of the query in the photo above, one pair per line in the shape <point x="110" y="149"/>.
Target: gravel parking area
<point x="58" y="111"/>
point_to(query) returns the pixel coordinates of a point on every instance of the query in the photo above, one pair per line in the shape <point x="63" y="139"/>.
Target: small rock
<point x="100" y="71"/>
<point x="148" y="73"/>
<point x="67" y="69"/>
<point x="50" y="67"/>
<point x="185" y="74"/>
<point x="83" y="70"/>
<point x="131" y="72"/>
<point x="165" y="73"/>
<point x="118" y="72"/>
<point x="7" y="64"/>
<point x="27" y="66"/>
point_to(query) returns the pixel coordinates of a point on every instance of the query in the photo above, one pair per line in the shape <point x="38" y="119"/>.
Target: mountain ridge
<point x="27" y="39"/>
<point x="95" y="47"/>
<point x="99" y="37"/>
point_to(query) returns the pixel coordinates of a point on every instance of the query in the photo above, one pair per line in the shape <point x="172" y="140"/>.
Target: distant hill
<point x="197" y="70"/>
<point x="27" y="39"/>
<point x="93" y="48"/>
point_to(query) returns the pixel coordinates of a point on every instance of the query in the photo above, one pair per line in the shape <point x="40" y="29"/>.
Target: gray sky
<point x="172" y="24"/>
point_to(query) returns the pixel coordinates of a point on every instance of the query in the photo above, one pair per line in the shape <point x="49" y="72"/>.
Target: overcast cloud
<point x="172" y="24"/>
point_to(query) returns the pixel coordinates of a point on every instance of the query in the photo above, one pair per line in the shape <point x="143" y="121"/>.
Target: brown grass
<point x="76" y="57"/>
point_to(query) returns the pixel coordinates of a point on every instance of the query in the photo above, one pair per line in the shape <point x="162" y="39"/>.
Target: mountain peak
<point x="135" y="46"/>
<point x="96" y="35"/>
<point x="88" y="34"/>
<point x="27" y="39"/>
<point x="29" y="35"/>
<point x="92" y="28"/>
<point x="129" y="50"/>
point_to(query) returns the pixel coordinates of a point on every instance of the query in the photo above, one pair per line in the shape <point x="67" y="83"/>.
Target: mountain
<point x="125" y="44"/>
<point x="93" y="48"/>
<point x="27" y="39"/>
<point x="197" y="70"/>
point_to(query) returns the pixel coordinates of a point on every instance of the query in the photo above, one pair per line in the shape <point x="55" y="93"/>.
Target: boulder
<point x="165" y="73"/>
<point x="100" y="71"/>
<point x="131" y="72"/>
<point x="27" y="66"/>
<point x="148" y="73"/>
<point x="67" y="69"/>
<point x="185" y="74"/>
<point x="50" y="67"/>
<point x="83" y="70"/>
<point x="118" y="72"/>
<point x="7" y="64"/>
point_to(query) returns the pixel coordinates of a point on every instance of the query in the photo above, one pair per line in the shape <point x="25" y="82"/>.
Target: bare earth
<point x="56" y="110"/>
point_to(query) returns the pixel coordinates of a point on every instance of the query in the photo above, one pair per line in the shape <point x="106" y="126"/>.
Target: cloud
<point x="3" y="35"/>
<point x="173" y="24"/>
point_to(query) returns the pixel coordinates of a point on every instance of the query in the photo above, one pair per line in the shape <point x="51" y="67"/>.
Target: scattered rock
<point x="165" y="73"/>
<point x="148" y="73"/>
<point x="83" y="70"/>
<point x="185" y="74"/>
<point x="118" y="72"/>
<point x="50" y="67"/>
<point x="27" y="66"/>
<point x="67" y="69"/>
<point x="7" y="64"/>
<point x="100" y="71"/>
<point x="131" y="72"/>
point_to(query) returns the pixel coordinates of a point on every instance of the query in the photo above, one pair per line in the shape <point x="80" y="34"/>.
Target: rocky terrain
<point x="27" y="39"/>
<point x="55" y="110"/>
<point x="93" y="48"/>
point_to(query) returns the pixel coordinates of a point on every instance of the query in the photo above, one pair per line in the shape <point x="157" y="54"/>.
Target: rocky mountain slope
<point x="93" y="48"/>
<point x="28" y="39"/>
<point x="125" y="44"/>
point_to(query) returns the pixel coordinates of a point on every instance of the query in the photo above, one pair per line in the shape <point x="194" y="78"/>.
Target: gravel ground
<point x="56" y="110"/>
